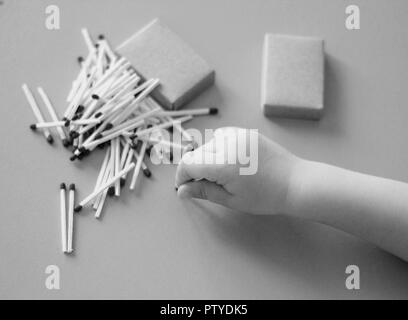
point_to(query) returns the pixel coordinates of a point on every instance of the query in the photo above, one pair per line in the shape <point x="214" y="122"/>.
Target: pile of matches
<point x="109" y="106"/>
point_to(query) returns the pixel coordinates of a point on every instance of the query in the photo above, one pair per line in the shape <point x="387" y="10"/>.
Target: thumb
<point x="206" y="190"/>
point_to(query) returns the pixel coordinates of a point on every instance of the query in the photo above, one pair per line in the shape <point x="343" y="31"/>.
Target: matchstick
<point x="177" y="126"/>
<point x="53" y="115"/>
<point x="103" y="168"/>
<point x="88" y="40"/>
<point x="71" y="217"/>
<point x="125" y="151"/>
<point x="63" y="217"/>
<point x="139" y="97"/>
<point x="138" y="165"/>
<point x="104" y="186"/>
<point x="191" y="112"/>
<point x="37" y="112"/>
<point x="145" y="169"/>
<point x="111" y="54"/>
<point x="117" y="165"/>
<point x="42" y="125"/>
<point x="164" y="125"/>
<point x="99" y="203"/>
<point x="107" y="174"/>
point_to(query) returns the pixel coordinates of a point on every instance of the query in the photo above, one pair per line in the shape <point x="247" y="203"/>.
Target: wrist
<point x="300" y="181"/>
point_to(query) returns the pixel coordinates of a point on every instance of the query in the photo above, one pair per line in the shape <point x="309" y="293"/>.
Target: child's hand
<point x="206" y="173"/>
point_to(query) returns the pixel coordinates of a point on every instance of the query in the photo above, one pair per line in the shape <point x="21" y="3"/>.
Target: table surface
<point x="150" y="244"/>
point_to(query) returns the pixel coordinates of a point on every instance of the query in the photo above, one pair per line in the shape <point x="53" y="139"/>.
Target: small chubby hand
<point x="214" y="172"/>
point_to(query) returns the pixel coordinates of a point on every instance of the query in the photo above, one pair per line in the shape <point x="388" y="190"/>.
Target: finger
<point x="196" y="165"/>
<point x="205" y="190"/>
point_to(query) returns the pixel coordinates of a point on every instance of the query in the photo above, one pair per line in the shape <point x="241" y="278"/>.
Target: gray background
<point x="149" y="243"/>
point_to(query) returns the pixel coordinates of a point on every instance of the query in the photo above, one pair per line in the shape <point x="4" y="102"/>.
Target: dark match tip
<point x="98" y="136"/>
<point x="73" y="158"/>
<point x="63" y="186"/>
<point x="149" y="126"/>
<point x="50" y="139"/>
<point x="147" y="173"/>
<point x="109" y="126"/>
<point x="149" y="150"/>
<point x="111" y="191"/>
<point x="80" y="108"/>
<point x="67" y="123"/>
<point x="95" y="97"/>
<point x="97" y="45"/>
<point x="74" y="134"/>
<point x="64" y="119"/>
<point x="33" y="127"/>
<point x="72" y="186"/>
<point x="122" y="182"/>
<point x="82" y="149"/>
<point x="213" y="111"/>
<point x="176" y="188"/>
<point x="65" y="143"/>
<point x="98" y="114"/>
<point x="101" y="37"/>
<point x="80" y="59"/>
<point x="78" y="208"/>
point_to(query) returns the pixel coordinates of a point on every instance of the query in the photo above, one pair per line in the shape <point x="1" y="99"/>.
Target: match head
<point x="33" y="126"/>
<point x="101" y="37"/>
<point x="109" y="126"/>
<point x="97" y="45"/>
<point x="213" y="111"/>
<point x="111" y="191"/>
<point x="147" y="172"/>
<point x="76" y="116"/>
<point x="98" y="114"/>
<point x="65" y="143"/>
<point x="80" y="108"/>
<point x="189" y="147"/>
<point x="74" y="134"/>
<point x="149" y="126"/>
<point x="72" y="186"/>
<point x="102" y="145"/>
<point x="149" y="150"/>
<point x="82" y="149"/>
<point x="122" y="182"/>
<point x="50" y="139"/>
<point x="73" y="158"/>
<point x="95" y="97"/>
<point x="171" y="157"/>
<point x="98" y="136"/>
<point x="63" y="186"/>
<point x="78" y="208"/>
<point x="176" y="188"/>
<point x="67" y="123"/>
<point x="80" y="59"/>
